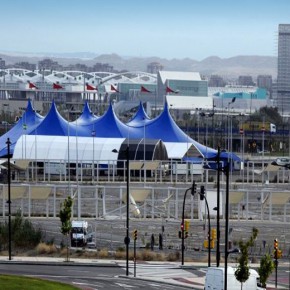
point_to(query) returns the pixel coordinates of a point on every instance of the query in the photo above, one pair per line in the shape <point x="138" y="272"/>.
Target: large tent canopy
<point x="26" y="124"/>
<point x="108" y="126"/>
<point x="73" y="149"/>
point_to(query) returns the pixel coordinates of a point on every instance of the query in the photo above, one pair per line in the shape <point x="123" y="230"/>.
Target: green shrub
<point x="23" y="233"/>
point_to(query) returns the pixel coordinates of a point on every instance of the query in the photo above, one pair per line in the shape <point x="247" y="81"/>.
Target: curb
<point x="61" y="263"/>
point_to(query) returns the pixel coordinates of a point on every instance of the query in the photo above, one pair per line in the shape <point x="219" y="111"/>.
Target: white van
<point x="214" y="280"/>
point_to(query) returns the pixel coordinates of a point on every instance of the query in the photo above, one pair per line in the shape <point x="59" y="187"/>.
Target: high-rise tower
<point x="283" y="78"/>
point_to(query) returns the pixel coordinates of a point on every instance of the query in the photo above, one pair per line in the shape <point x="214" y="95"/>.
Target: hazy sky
<point x="164" y="28"/>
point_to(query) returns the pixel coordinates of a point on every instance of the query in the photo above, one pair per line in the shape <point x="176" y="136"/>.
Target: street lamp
<point x="127" y="238"/>
<point x="193" y="190"/>
<point x="226" y="171"/>
<point x="229" y="125"/>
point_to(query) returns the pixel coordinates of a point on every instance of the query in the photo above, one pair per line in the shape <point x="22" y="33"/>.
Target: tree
<point x="65" y="218"/>
<point x="242" y="273"/>
<point x="266" y="268"/>
<point x="267" y="114"/>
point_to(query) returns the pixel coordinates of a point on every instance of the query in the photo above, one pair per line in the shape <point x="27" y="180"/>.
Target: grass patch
<point x="10" y="282"/>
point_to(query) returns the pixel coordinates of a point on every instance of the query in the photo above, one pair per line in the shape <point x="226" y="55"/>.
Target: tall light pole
<point x="229" y="125"/>
<point x="93" y="136"/>
<point x="8" y="142"/>
<point x="144" y="165"/>
<point x="226" y="171"/>
<point x="127" y="237"/>
<point x="193" y="190"/>
<point x="218" y="208"/>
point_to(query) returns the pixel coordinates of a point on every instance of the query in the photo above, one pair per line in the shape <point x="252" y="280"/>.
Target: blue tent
<point x="86" y="117"/>
<point x="107" y="125"/>
<point x="140" y="118"/>
<point x="26" y="124"/>
<point x="55" y="125"/>
<point x="140" y="126"/>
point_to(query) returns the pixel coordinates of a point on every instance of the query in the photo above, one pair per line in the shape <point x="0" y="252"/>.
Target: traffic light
<point x="213" y="234"/>
<point x="135" y="235"/>
<point x="186" y="234"/>
<point x="193" y="188"/>
<point x="276" y="244"/>
<point x="279" y="254"/>
<point x="186" y="225"/>
<point x="182" y="226"/>
<point x="202" y="192"/>
<point x="179" y="234"/>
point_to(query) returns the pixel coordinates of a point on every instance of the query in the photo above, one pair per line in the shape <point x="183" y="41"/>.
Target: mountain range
<point x="227" y="67"/>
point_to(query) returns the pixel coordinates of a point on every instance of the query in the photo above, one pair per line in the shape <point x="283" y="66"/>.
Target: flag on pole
<point x="57" y="86"/>
<point x="169" y="90"/>
<point x="32" y="86"/>
<point x="114" y="89"/>
<point x="90" y="88"/>
<point x="144" y="90"/>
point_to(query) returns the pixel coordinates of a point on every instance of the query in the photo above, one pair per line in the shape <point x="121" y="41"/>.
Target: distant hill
<point x="228" y="67"/>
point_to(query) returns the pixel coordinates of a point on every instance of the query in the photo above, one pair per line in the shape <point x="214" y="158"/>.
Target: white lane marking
<point x="125" y="285"/>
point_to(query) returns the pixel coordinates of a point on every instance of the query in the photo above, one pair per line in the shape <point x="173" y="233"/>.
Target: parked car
<point x="282" y="161"/>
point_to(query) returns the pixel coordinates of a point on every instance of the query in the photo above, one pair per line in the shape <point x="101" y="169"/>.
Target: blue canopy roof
<point x="86" y="117"/>
<point x="140" y="126"/>
<point x="139" y="118"/>
<point x="54" y="124"/>
<point x="27" y="123"/>
<point x="107" y="125"/>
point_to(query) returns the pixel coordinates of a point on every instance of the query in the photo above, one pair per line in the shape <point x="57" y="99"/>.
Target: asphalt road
<point x="85" y="277"/>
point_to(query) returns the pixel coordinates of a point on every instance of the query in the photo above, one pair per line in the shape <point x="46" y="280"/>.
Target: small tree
<point x="242" y="273"/>
<point x="267" y="266"/>
<point x="65" y="218"/>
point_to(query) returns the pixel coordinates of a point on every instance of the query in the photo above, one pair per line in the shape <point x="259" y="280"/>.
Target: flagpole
<point x="144" y="154"/>
<point x="84" y="94"/>
<point x="155" y="112"/>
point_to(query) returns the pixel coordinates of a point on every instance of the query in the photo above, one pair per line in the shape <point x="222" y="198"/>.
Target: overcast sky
<point x="164" y="28"/>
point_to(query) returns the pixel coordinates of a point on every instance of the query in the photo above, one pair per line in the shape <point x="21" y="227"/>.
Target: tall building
<point x="283" y="78"/>
<point x="216" y="81"/>
<point x="265" y="82"/>
<point x="2" y="63"/>
<point x="154" y="67"/>
<point x="245" y="81"/>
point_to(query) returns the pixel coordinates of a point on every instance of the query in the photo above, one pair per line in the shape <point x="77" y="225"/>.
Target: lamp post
<point x="226" y="170"/>
<point x="9" y="198"/>
<point x="127" y="238"/>
<point x="93" y="167"/>
<point x="144" y="157"/>
<point x="193" y="190"/>
<point x="230" y="125"/>
<point x="218" y="209"/>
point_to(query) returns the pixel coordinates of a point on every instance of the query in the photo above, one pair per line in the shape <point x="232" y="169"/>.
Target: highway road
<point x="85" y="277"/>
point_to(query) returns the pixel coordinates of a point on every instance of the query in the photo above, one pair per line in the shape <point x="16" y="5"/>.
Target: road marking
<point x="88" y="284"/>
<point x="125" y="285"/>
